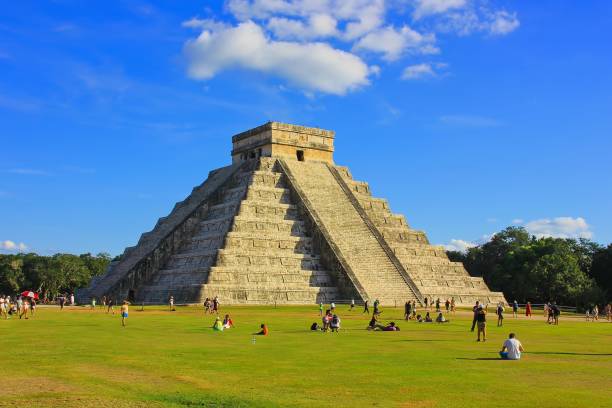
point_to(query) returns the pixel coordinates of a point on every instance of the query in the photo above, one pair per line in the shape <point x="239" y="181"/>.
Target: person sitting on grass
<point x="314" y="326"/>
<point x="511" y="349"/>
<point x="334" y="324"/>
<point x="419" y="318"/>
<point x="391" y="327"/>
<point x="373" y="323"/>
<point x="228" y="323"/>
<point x="428" y="318"/>
<point x="263" y="331"/>
<point x="217" y="325"/>
<point x="441" y="319"/>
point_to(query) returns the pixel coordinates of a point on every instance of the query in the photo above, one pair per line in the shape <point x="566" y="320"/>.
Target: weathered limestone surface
<point x="284" y="225"/>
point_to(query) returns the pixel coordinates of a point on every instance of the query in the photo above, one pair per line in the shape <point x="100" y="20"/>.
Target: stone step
<point x="255" y="243"/>
<point x="236" y="295"/>
<point x="288" y="227"/>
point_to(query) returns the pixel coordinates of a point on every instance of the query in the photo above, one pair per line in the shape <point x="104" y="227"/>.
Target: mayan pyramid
<point x="284" y="224"/>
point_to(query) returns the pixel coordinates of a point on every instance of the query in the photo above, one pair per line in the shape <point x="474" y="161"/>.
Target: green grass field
<point x="80" y="358"/>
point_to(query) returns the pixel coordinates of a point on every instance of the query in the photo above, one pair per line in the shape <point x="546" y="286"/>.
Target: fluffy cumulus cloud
<point x="459" y="245"/>
<point x="11" y="246"/>
<point x="560" y="227"/>
<point x="326" y="45"/>
<point x="320" y="68"/>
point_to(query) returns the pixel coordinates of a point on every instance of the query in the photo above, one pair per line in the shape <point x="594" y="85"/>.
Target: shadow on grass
<point x="568" y="353"/>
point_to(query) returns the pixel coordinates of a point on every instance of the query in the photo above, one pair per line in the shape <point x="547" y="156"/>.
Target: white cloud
<point x="503" y="22"/>
<point x="11" y="246"/>
<point x="560" y="227"/>
<point x="28" y="172"/>
<point x="459" y="245"/>
<point x="312" y="66"/>
<point x="392" y="43"/>
<point x="518" y="221"/>
<point x="318" y="26"/>
<point x="418" y="71"/>
<point x="430" y="7"/>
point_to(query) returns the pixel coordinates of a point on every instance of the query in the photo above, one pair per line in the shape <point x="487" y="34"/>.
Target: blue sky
<point x="467" y="115"/>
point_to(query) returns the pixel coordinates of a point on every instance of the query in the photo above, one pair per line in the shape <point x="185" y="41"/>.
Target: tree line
<point x="572" y="272"/>
<point x="49" y="275"/>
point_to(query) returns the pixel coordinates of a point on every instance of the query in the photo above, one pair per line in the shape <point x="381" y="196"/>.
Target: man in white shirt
<point x="512" y="348"/>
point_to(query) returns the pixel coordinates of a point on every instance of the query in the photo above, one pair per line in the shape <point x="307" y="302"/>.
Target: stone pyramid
<point x="284" y="225"/>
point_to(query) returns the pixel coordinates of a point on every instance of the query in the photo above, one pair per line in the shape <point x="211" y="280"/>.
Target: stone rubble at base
<point x="284" y="225"/>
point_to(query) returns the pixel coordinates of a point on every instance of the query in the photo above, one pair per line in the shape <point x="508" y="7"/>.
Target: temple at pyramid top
<point x="282" y="140"/>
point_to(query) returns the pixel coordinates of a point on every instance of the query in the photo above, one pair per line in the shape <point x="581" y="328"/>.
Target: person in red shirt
<point x="528" y="309"/>
<point x="263" y="331"/>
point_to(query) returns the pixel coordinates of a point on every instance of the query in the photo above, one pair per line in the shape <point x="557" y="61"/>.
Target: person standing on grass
<point x="332" y="306"/>
<point x="352" y="304"/>
<point x="32" y="307"/>
<point x="556" y="311"/>
<point x="528" y="310"/>
<point x="111" y="304"/>
<point x="3" y="308"/>
<point x="407" y="310"/>
<point x="376" y="304"/>
<point x="171" y="301"/>
<point x="475" y="313"/>
<point x="511" y="349"/>
<point x="23" y="310"/>
<point x="414" y="309"/>
<point x="438" y="305"/>
<point x="595" y="312"/>
<point x="481" y="319"/>
<point x="93" y="303"/>
<point x="500" y="314"/>
<point x="609" y="312"/>
<point x="216" y="304"/>
<point x="447" y="305"/>
<point x="515" y="308"/>
<point x="366" y="309"/>
<point x="103" y="302"/>
<point x="321" y="309"/>
<point x="453" y="305"/>
<point x="124" y="312"/>
<point x="72" y="299"/>
<point x="426" y="303"/>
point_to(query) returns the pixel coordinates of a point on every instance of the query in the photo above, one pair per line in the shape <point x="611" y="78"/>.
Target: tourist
<point x="72" y="299"/>
<point x="481" y="319"/>
<point x="352" y="304"/>
<point x="609" y="312"/>
<point x="407" y="310"/>
<point x="595" y="312"/>
<point x="419" y="318"/>
<point x="32" y="307"/>
<point x="391" y="327"/>
<point x="326" y="320"/>
<point x="515" y="307"/>
<point x="453" y="305"/>
<point x="511" y="349"/>
<point x="263" y="331"/>
<point x="376" y="304"/>
<point x="314" y="326"/>
<point x="3" y="308"/>
<point x="500" y="314"/>
<point x="366" y="309"/>
<point x="547" y="312"/>
<point x="441" y="318"/>
<point x="475" y="314"/>
<point x="207" y="308"/>
<point x="587" y="314"/>
<point x="217" y="325"/>
<point x="334" y="323"/>
<point x="215" y="304"/>
<point x="426" y="303"/>
<point x="414" y="309"/>
<point x="428" y="318"/>
<point x="332" y="306"/>
<point x="93" y="303"/>
<point x="110" y="305"/>
<point x="556" y="311"/>
<point x="373" y="323"/>
<point x="438" y="305"/>
<point x="124" y="312"/>
<point x="447" y="305"/>
<point x="103" y="302"/>
<point x="528" y="310"/>
<point x="24" y="308"/>
<point x="228" y="323"/>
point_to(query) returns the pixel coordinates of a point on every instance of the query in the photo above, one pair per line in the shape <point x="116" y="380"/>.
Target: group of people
<point x="226" y="323"/>
<point x="22" y="307"/>
<point x="592" y="313"/>
<point x="449" y="304"/>
<point x="211" y="305"/>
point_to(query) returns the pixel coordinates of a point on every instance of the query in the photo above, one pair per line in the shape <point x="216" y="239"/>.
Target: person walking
<point x="426" y="303"/>
<point x="321" y="309"/>
<point x="352" y="304"/>
<point x="481" y="319"/>
<point x="609" y="312"/>
<point x="366" y="309"/>
<point x="93" y="303"/>
<point x="447" y="305"/>
<point x="453" y="305"/>
<point x="438" y="305"/>
<point x="171" y="301"/>
<point x="515" y="308"/>
<point x="124" y="312"/>
<point x="376" y="304"/>
<point x="407" y="310"/>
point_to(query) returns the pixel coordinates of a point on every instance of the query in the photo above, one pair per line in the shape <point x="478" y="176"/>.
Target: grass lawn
<point x="78" y="357"/>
